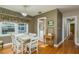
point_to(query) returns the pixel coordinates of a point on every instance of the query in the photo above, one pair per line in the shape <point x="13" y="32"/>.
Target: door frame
<point x="70" y="26"/>
<point x="68" y="29"/>
<point x="65" y="20"/>
<point x="38" y="25"/>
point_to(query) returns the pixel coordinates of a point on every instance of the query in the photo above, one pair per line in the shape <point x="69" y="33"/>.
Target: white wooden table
<point x="24" y="39"/>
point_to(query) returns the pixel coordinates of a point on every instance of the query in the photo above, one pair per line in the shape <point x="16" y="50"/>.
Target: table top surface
<point x="26" y="37"/>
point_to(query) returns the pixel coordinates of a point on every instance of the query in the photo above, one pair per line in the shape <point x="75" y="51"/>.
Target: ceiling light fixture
<point x="24" y="13"/>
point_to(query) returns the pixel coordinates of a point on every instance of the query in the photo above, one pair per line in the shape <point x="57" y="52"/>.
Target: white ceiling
<point x="34" y="9"/>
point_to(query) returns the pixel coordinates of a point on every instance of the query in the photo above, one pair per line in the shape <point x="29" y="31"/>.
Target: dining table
<point x="24" y="39"/>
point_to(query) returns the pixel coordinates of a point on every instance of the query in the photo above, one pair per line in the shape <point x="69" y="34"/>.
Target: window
<point x="7" y="28"/>
<point x="22" y="28"/>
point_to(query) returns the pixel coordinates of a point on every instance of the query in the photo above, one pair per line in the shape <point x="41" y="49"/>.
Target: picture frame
<point x="50" y="23"/>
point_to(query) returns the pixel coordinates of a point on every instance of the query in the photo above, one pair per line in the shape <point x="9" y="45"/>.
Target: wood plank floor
<point x="68" y="47"/>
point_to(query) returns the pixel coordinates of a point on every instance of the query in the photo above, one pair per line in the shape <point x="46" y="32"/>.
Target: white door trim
<point x="75" y="29"/>
<point x="63" y="24"/>
<point x="38" y="25"/>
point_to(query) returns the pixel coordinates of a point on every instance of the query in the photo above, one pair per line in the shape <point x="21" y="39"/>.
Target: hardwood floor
<point x="68" y="47"/>
<point x="6" y="50"/>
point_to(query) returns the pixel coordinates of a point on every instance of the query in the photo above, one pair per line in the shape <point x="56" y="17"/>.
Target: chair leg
<point x="13" y="48"/>
<point x="22" y="48"/>
<point x="37" y="46"/>
<point x="37" y="49"/>
<point x="16" y="50"/>
<point x="30" y="48"/>
<point x="25" y="48"/>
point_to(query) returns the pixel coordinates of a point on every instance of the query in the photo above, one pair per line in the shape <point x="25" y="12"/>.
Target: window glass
<point x="21" y="28"/>
<point x="7" y="28"/>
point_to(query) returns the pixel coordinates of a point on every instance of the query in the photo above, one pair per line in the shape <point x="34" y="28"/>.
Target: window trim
<point x="16" y="28"/>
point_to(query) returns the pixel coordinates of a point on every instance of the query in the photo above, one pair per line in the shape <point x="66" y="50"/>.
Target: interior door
<point x="72" y="31"/>
<point x="72" y="28"/>
<point x="41" y="30"/>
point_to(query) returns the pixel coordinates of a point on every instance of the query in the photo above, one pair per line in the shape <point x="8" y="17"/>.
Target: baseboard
<point x="7" y="45"/>
<point x="57" y="45"/>
<point x="77" y="44"/>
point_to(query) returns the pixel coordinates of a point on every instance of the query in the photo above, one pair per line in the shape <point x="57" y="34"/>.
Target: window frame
<point x="26" y="30"/>
<point x="15" y="26"/>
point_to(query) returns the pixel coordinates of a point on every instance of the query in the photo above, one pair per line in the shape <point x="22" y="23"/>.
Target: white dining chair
<point x="16" y="45"/>
<point x="32" y="46"/>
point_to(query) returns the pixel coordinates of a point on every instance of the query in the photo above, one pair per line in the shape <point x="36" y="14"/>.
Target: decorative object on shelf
<point x="50" y="23"/>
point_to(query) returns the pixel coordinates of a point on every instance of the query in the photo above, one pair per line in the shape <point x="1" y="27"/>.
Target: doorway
<point x="70" y="29"/>
<point x="41" y="28"/>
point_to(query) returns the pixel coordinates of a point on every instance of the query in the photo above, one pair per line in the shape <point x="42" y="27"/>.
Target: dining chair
<point x="32" y="46"/>
<point x="16" y="45"/>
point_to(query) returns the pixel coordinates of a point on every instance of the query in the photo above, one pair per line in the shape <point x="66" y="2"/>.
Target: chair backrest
<point x="14" y="38"/>
<point x="32" y="34"/>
